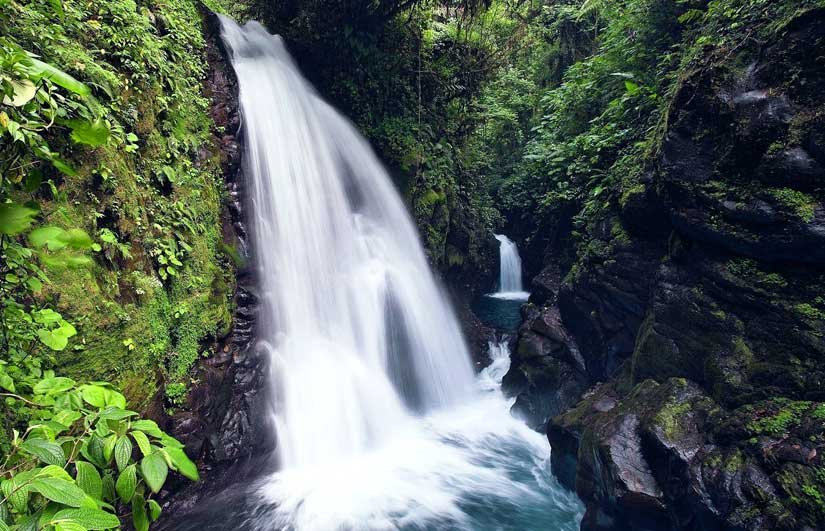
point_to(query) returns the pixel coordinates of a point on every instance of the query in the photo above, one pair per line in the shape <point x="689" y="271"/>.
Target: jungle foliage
<point x="110" y="244"/>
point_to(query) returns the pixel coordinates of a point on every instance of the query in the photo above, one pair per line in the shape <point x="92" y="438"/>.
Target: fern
<point x="592" y="8"/>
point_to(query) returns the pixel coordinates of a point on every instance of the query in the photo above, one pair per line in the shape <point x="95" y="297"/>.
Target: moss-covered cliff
<point x="151" y="195"/>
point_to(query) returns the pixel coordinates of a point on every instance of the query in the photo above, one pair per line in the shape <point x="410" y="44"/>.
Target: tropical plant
<point x="82" y="457"/>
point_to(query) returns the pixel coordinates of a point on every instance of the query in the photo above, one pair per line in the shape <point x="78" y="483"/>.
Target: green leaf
<point x="154" y="510"/>
<point x="46" y="316"/>
<point x="93" y="451"/>
<point x="92" y="134"/>
<point x="143" y="442"/>
<point x="15" y="218"/>
<point x="169" y="172"/>
<point x="54" y="471"/>
<point x="29" y="522"/>
<point x="154" y="470"/>
<point x="109" y="447"/>
<point x="53" y="385"/>
<point x="77" y="239"/>
<point x="6" y="382"/>
<point x="115" y="413"/>
<point x="48" y="452"/>
<point x="62" y="491"/>
<point x="139" y="514"/>
<point x="32" y="181"/>
<point x="115" y="399"/>
<point x="88" y="479"/>
<point x="123" y="452"/>
<point x="63" y="166"/>
<point x="182" y="463"/>
<point x="108" y="488"/>
<point x="126" y="483"/>
<point x="66" y="417"/>
<point x="47" y="236"/>
<point x="149" y="427"/>
<point x="91" y="519"/>
<point x="23" y="92"/>
<point x="94" y="395"/>
<point x="17" y="491"/>
<point x="69" y="526"/>
<point x="41" y="70"/>
<point x="170" y="442"/>
<point x="58" y="338"/>
<point x="34" y="284"/>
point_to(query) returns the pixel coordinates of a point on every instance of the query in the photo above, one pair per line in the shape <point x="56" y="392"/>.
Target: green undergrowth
<point x="148" y="192"/>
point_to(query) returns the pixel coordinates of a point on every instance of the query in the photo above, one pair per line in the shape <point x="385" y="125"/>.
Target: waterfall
<point x="358" y="330"/>
<point x="509" y="285"/>
<point x="380" y="421"/>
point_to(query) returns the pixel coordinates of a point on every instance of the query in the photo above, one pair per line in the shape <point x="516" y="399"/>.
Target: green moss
<point x="816" y="496"/>
<point x="742" y="352"/>
<point x="782" y="416"/>
<point x="669" y="418"/>
<point x="432" y="197"/>
<point x="619" y="234"/>
<point x="713" y="461"/>
<point x="750" y="271"/>
<point x="733" y="462"/>
<point x="775" y="148"/>
<point x="155" y="195"/>
<point x="809" y="311"/>
<point x="629" y="193"/>
<point x="798" y="203"/>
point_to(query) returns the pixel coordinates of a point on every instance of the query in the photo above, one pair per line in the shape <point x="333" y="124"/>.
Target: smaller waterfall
<point x="510" y="286"/>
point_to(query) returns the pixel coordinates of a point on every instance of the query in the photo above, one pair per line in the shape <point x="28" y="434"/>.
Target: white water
<point x="509" y="283"/>
<point x="380" y="421"/>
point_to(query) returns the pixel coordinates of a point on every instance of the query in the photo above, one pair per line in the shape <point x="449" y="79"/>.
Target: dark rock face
<point x="226" y="419"/>
<point x="478" y="335"/>
<point x="660" y="458"/>
<point x="547" y="371"/>
<point x="694" y="312"/>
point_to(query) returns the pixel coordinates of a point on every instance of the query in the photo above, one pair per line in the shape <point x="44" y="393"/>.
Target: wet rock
<point x="604" y="306"/>
<point x="705" y="324"/>
<point x="226" y="418"/>
<point x="544" y="287"/>
<point x="793" y="168"/>
<point x="547" y="373"/>
<point x="478" y="335"/>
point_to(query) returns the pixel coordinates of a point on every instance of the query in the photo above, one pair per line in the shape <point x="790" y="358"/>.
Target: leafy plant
<point x="82" y="456"/>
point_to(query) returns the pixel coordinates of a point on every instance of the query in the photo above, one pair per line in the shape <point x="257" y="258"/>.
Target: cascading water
<point x="353" y="317"/>
<point x="380" y="421"/>
<point x="509" y="284"/>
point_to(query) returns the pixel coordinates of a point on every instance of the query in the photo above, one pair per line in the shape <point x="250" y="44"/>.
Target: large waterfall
<point x="510" y="286"/>
<point x="358" y="329"/>
<point x="381" y="423"/>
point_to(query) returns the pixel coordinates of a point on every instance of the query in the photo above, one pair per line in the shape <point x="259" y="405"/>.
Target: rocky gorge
<point x="660" y="164"/>
<point x="660" y="368"/>
<point x="677" y="370"/>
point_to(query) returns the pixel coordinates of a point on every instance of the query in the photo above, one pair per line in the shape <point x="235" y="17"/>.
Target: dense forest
<point x="660" y="163"/>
